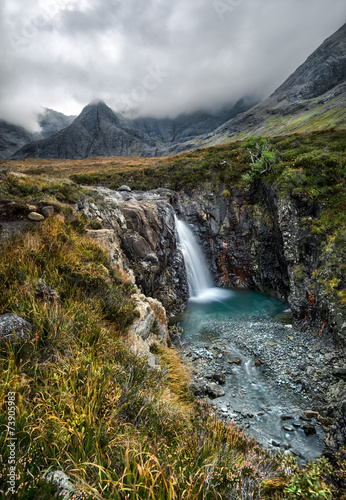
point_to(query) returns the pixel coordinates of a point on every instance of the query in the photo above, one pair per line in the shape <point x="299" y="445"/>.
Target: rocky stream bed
<point x="276" y="383"/>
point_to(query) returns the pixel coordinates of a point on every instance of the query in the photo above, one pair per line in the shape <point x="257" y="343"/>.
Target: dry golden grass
<point x="64" y="168"/>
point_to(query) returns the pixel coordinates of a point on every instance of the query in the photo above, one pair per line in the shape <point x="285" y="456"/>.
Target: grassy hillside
<point x="85" y="404"/>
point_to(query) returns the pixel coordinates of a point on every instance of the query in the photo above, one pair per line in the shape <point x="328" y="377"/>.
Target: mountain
<point x="187" y="126"/>
<point x="52" y="122"/>
<point x="313" y="97"/>
<point x="12" y="137"/>
<point x="98" y="131"/>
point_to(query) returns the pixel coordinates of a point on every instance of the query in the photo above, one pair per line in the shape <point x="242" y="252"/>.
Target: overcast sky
<point x="157" y="57"/>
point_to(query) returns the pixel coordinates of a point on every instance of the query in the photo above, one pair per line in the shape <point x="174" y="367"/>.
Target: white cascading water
<point x="200" y="284"/>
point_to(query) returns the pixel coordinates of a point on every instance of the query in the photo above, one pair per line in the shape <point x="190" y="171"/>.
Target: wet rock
<point x="198" y="388"/>
<point x="144" y="224"/>
<point x="275" y="443"/>
<point x="214" y="390"/>
<point x="236" y="361"/>
<point x="258" y="362"/>
<point x="287" y="428"/>
<point x="303" y="417"/>
<point x="325" y="421"/>
<point x="309" y="429"/>
<point x="340" y="372"/>
<point x="310" y="414"/>
<point x="219" y="377"/>
<point x="286" y="417"/>
<point x="125" y="188"/>
<point x="14" y="329"/>
<point x="35" y="216"/>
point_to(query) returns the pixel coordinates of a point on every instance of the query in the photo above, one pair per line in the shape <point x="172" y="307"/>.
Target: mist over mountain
<point x="313" y="96"/>
<point x="12" y="137"/>
<point x="98" y="131"/>
<point x="51" y="122"/>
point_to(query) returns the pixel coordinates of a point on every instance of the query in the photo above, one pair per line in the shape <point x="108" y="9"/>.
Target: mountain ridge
<point x="99" y="131"/>
<point x="312" y="97"/>
<point x="310" y="88"/>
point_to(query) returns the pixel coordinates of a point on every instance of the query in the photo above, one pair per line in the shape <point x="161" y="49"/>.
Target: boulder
<point x="219" y="377"/>
<point x="14" y="329"/>
<point x="47" y="211"/>
<point x="310" y="414"/>
<point x="62" y="481"/>
<point x="35" y="216"/>
<point x="198" y="388"/>
<point x="124" y="188"/>
<point x="309" y="429"/>
<point x="214" y="390"/>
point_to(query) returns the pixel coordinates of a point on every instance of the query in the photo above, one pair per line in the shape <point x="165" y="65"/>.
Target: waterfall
<point x="201" y="287"/>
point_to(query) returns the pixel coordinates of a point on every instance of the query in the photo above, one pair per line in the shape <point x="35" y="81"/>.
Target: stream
<point x="248" y="362"/>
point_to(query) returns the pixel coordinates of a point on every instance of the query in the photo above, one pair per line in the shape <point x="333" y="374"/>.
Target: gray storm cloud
<point x="161" y="57"/>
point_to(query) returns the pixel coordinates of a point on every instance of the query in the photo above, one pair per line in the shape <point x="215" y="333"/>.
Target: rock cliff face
<point x="257" y="240"/>
<point x="240" y="238"/>
<point x="146" y="244"/>
<point x="263" y="242"/>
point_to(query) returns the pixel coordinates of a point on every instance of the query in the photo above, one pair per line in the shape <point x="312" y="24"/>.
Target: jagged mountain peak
<point x="97" y="111"/>
<point x="318" y="85"/>
<point x="316" y="92"/>
<point x="324" y="69"/>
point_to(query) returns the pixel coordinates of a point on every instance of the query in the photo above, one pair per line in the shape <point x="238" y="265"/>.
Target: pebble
<point x="236" y="361"/>
<point x="285" y="363"/>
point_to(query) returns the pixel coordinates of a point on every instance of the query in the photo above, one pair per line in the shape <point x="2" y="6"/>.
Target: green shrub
<point x="310" y="483"/>
<point x="263" y="157"/>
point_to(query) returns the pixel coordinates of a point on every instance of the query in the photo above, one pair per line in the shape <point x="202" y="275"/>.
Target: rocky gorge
<point x="258" y="241"/>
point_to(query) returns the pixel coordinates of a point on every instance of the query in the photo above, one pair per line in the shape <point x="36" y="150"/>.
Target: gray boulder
<point x="124" y="188"/>
<point x="214" y="390"/>
<point x="62" y="481"/>
<point x="14" y="329"/>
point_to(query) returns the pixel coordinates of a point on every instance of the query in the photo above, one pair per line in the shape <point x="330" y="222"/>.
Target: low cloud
<point x="159" y="57"/>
